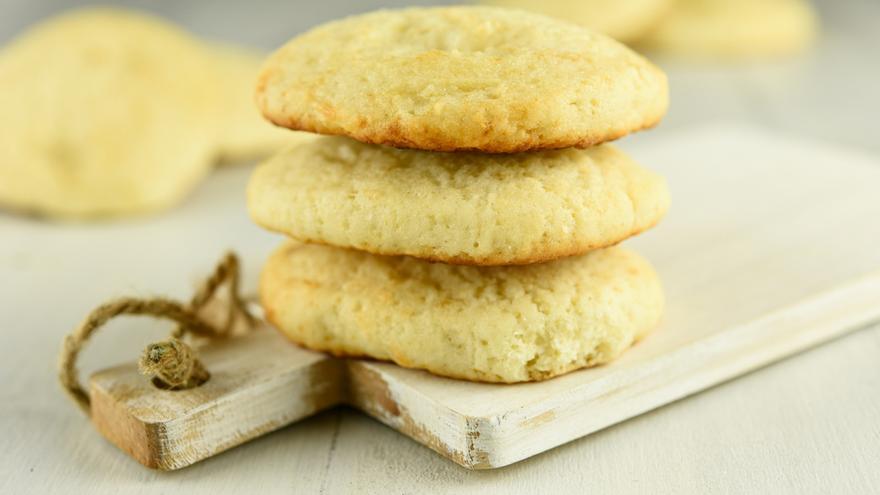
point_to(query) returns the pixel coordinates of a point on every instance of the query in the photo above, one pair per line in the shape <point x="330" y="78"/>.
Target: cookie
<point x="245" y="134"/>
<point x="104" y="113"/>
<point x="462" y="208"/>
<point x="623" y="20"/>
<point x="492" y="324"/>
<point x="461" y="78"/>
<point x="734" y="28"/>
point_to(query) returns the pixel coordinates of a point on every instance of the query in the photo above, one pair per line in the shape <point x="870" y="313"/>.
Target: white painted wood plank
<point x="629" y="388"/>
<point x="784" y="429"/>
<point x="756" y="270"/>
<point x="258" y="384"/>
<point x="773" y="219"/>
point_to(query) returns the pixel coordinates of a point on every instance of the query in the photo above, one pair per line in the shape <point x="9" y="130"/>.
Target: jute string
<point x="173" y="363"/>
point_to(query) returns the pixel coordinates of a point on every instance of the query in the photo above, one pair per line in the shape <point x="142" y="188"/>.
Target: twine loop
<point x="172" y="363"/>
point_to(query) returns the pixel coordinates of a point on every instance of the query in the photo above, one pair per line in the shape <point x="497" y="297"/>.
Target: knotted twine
<point x="172" y="363"/>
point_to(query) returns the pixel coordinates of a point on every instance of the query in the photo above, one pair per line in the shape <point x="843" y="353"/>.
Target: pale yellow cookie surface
<point x="466" y="208"/>
<point x="104" y="113"/>
<point x="623" y="20"/>
<point x="245" y="133"/>
<point x="461" y="78"/>
<point x="734" y="28"/>
<point x="494" y="324"/>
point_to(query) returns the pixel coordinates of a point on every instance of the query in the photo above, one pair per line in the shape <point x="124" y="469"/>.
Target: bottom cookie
<point x="493" y="324"/>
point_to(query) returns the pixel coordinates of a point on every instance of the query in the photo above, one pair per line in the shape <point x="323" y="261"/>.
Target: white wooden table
<point x="810" y="424"/>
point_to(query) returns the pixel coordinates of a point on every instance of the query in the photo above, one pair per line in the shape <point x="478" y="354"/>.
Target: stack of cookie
<point x="460" y="220"/>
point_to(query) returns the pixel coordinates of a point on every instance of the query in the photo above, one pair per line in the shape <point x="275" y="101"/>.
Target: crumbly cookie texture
<point x="493" y="324"/>
<point x="734" y="28"/>
<point x="463" y="208"/>
<point x="104" y="113"/>
<point x="461" y="78"/>
<point x="623" y="20"/>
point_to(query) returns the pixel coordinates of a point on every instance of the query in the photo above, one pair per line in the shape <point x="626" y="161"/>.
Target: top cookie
<point x="461" y="78"/>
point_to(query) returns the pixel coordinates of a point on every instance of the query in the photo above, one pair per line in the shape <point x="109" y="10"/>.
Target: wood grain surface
<point x="259" y="383"/>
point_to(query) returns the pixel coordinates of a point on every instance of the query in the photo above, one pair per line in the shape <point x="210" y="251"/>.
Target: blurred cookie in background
<point x="109" y="112"/>
<point x="724" y="29"/>
<point x="624" y="20"/>
<point x="245" y="134"/>
<point x="103" y="114"/>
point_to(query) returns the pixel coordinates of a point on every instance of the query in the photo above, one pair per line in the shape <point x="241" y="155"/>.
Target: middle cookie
<point x="461" y="208"/>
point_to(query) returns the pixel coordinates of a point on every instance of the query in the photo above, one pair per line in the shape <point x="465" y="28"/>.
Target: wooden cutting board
<point x="772" y="246"/>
